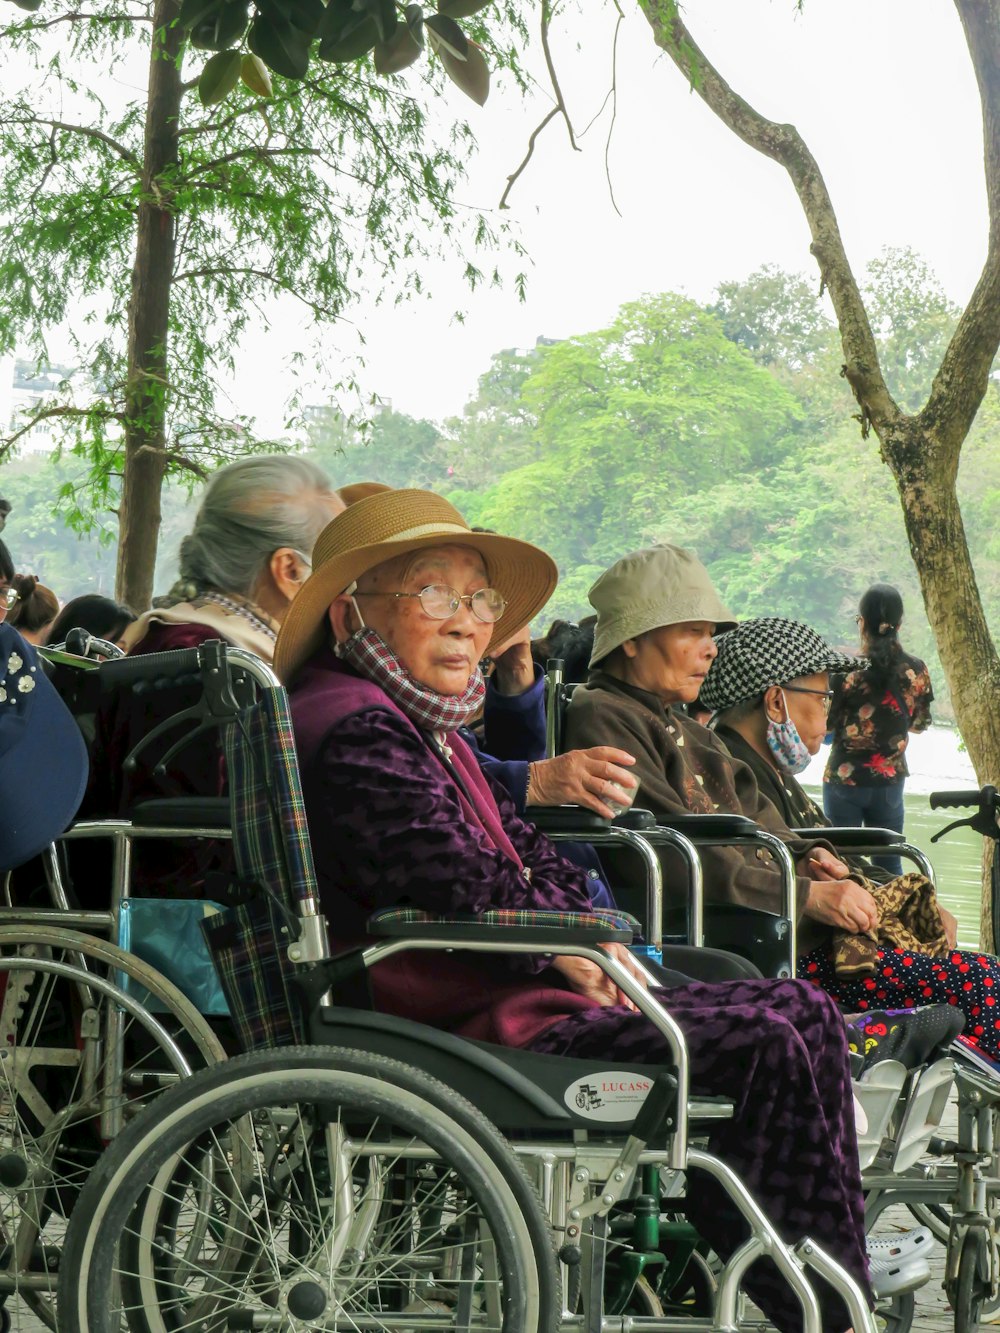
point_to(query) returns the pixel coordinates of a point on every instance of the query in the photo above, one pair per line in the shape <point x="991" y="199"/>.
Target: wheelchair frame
<point x="579" y="1154"/>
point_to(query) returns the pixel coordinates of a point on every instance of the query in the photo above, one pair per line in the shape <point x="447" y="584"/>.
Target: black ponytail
<point x="881" y="611"/>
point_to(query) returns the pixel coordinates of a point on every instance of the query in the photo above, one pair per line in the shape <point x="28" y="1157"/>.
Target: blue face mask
<point x="785" y="743"/>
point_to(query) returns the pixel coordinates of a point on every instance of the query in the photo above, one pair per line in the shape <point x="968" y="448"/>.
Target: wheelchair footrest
<point x="926" y="1101"/>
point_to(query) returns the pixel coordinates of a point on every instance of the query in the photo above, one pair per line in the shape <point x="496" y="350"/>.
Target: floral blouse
<point x="870" y="726"/>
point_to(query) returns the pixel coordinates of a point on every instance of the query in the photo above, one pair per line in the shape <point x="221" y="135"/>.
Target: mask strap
<point x="784" y="704"/>
<point x="349" y="591"/>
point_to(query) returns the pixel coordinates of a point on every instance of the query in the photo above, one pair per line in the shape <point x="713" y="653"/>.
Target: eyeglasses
<point x="9" y="598"/>
<point x="441" y="602"/>
<point x="825" y="695"/>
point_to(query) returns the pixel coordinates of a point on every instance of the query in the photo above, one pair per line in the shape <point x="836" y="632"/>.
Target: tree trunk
<point x="922" y="451"/>
<point x="149" y="320"/>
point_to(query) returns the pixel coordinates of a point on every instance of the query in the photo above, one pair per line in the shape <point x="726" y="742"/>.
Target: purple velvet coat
<point x="390" y="825"/>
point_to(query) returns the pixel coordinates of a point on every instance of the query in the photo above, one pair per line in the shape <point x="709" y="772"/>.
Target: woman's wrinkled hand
<point x="587" y="979"/>
<point x="582" y="777"/>
<point x="821" y="863"/>
<point x="843" y="904"/>
<point x="950" y="927"/>
<point x="514" y="669"/>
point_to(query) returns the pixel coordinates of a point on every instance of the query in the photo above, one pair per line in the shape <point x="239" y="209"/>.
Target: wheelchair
<point x="88" y="1034"/>
<point x="389" y="1175"/>
<point x="951" y="1185"/>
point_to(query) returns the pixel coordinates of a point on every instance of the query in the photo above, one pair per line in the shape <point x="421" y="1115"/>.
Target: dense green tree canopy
<point x="726" y="429"/>
<point x="651" y="407"/>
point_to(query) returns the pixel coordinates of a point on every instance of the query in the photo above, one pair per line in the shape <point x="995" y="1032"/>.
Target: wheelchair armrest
<point x="578" y="819"/>
<point x="709" y="826"/>
<point x="182" y="812"/>
<point x="565" y="819"/>
<point x="852" y="837"/>
<point x="541" y="928"/>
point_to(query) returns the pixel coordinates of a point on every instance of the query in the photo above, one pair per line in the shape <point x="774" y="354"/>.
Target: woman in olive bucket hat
<point x="657" y="613"/>
<point x="381" y="648"/>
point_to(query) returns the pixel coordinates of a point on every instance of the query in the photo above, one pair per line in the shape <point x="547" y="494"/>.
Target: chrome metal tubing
<point x="786" y="1261"/>
<point x="642" y="845"/>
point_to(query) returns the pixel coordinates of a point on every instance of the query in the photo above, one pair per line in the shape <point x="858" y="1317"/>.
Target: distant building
<point x="26" y="386"/>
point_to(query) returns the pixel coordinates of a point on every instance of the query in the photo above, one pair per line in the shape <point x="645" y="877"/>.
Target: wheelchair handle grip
<point x="156" y="670"/>
<point x="941" y="800"/>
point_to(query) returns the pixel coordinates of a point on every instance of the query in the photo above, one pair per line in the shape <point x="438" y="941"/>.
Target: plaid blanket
<point x="275" y="875"/>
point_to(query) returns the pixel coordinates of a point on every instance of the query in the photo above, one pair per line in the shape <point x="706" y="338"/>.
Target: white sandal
<point x="902" y="1245"/>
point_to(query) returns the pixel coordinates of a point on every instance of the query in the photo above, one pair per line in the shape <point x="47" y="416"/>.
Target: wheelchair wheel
<point x="896" y="1316"/>
<point x="75" y="1065"/>
<point x="972" y="1286"/>
<point x="315" y="1185"/>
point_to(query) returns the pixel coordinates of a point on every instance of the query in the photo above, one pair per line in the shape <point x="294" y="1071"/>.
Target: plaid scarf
<point x="369" y="654"/>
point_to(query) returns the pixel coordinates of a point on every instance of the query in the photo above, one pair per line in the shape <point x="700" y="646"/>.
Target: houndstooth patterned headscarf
<point x="764" y="652"/>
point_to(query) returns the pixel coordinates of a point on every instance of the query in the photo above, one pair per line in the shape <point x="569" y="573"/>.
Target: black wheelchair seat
<point x="519" y="1090"/>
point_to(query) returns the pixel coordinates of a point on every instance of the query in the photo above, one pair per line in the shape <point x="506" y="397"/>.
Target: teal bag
<point x="166" y="933"/>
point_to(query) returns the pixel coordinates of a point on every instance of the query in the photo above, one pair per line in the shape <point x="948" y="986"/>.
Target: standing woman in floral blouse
<point x="873" y="711"/>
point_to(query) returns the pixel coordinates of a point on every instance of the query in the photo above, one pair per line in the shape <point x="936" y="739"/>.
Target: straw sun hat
<point x="393" y="523"/>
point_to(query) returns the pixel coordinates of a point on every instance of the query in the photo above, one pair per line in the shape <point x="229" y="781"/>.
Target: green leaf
<point x="194" y="12"/>
<point x="461" y="9"/>
<point x="399" y="53"/>
<point x="221" y="27"/>
<point x="472" y="74"/>
<point x="350" y="31"/>
<point x="304" y="14"/>
<point x="219" y="77"/>
<point x="282" y="47"/>
<point x="415" y="23"/>
<point x="254" y="74"/>
<point x="444" y="34"/>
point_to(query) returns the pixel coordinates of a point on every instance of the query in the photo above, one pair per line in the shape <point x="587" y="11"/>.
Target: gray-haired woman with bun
<point x="240" y="567"/>
<point x="245" y="557"/>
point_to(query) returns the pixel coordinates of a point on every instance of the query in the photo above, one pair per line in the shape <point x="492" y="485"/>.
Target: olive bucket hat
<point x="392" y="523"/>
<point x="660" y="585"/>
<point x="764" y="652"/>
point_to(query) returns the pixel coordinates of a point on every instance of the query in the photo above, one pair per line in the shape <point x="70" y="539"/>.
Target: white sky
<point x="882" y="91"/>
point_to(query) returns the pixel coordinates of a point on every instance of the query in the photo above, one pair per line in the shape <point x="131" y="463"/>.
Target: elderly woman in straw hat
<point x="769" y="687"/>
<point x="381" y="651"/>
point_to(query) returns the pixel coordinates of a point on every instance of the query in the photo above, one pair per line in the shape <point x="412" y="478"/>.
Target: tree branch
<point x="784" y="145"/>
<point x="259" y="153"/>
<point x="86" y="131"/>
<point x="512" y="178"/>
<point x="78" y="16"/>
<point x="553" y="78"/>
<point x="963" y="376"/>
<point x="220" y="270"/>
<point x="7" y="442"/>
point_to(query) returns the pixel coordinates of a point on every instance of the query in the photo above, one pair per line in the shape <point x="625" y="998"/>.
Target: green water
<point x="956" y="861"/>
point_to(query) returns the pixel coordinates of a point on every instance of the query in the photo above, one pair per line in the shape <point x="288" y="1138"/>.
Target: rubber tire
<point x="461" y="1137"/>
<point x="201" y="1048"/>
<point x="969" y="1288"/>
<point x="897" y="1316"/>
